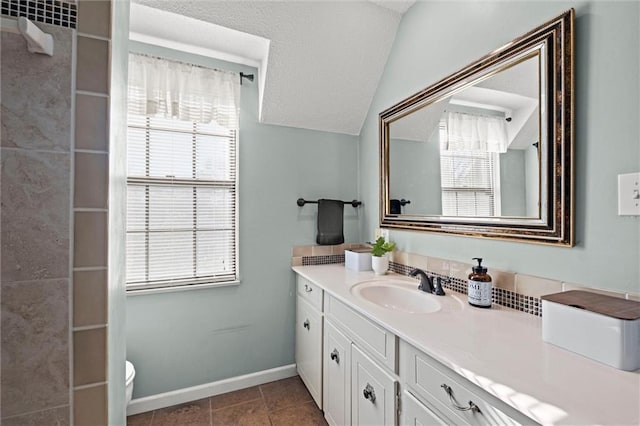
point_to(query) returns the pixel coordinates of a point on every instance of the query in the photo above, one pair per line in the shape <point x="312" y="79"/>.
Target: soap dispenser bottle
<point x="479" y="286"/>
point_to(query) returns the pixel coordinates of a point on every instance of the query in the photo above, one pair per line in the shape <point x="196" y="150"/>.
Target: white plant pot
<point x="380" y="264"/>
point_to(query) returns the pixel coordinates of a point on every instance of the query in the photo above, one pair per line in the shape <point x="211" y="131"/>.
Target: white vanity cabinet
<point x="360" y="369"/>
<point x="309" y="326"/>
<point x="374" y="392"/>
<point x="336" y="376"/>
<point x="433" y="390"/>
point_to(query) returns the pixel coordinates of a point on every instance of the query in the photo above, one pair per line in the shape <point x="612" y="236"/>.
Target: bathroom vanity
<point x="374" y="350"/>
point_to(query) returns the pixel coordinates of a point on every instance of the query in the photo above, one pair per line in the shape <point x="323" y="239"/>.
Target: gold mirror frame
<point x="556" y="224"/>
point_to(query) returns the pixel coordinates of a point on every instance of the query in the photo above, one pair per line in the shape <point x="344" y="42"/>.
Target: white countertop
<point x="501" y="350"/>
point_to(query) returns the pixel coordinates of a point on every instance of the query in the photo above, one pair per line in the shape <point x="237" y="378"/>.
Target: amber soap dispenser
<point x="480" y="287"/>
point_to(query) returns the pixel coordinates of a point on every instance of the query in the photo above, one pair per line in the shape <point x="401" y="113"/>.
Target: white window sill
<point x="178" y="288"/>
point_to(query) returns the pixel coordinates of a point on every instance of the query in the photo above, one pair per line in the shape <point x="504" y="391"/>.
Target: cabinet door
<point x="309" y="348"/>
<point x="336" y="387"/>
<point x="414" y="413"/>
<point x="373" y="392"/>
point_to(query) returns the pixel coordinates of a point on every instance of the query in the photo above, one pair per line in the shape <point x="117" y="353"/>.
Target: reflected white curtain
<point x="169" y="89"/>
<point x="470" y="132"/>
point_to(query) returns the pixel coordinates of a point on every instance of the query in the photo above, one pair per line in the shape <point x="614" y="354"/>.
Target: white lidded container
<point x="358" y="259"/>
<point x="603" y="328"/>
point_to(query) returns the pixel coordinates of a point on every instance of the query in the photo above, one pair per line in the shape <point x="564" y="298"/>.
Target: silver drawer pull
<point x="472" y="407"/>
<point x="307" y="288"/>
<point x="306" y="325"/>
<point x="335" y="355"/>
<point x="369" y="393"/>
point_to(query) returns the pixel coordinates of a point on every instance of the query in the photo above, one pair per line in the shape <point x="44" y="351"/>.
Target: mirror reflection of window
<point x="470" y="178"/>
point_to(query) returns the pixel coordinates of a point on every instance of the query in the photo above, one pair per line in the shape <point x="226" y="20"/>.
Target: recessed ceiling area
<point x="319" y="62"/>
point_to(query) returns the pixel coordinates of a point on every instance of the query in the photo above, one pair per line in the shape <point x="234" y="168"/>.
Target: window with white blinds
<point x="181" y="202"/>
<point x="469" y="181"/>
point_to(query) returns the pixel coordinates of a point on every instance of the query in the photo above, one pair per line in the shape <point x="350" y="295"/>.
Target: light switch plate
<point x="629" y="194"/>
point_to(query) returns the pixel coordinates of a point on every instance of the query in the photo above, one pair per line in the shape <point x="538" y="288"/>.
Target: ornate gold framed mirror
<point x="488" y="150"/>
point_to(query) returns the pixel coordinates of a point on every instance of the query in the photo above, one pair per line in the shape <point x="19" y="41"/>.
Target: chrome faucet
<point x="426" y="282"/>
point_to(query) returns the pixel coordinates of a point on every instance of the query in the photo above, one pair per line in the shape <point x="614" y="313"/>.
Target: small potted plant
<point x="380" y="255"/>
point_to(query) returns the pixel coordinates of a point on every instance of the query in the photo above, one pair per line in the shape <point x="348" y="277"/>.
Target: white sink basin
<point x="396" y="295"/>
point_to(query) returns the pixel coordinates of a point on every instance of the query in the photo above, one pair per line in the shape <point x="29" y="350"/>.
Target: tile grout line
<point x="13" y="416"/>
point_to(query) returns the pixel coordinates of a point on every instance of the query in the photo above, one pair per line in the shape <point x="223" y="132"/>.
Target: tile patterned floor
<point x="283" y="403"/>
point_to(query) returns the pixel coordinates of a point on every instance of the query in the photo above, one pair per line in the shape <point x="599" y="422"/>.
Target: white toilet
<point x="130" y="374"/>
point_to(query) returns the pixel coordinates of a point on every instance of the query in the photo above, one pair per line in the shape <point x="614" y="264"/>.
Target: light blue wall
<point x="182" y="339"/>
<point x="415" y="175"/>
<point x="512" y="183"/>
<point x="437" y="38"/>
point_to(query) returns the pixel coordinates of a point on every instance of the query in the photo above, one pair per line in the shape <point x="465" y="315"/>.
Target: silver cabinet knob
<point x="369" y="393"/>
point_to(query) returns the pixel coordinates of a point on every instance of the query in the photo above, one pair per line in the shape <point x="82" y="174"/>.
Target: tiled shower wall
<point x="53" y="218"/>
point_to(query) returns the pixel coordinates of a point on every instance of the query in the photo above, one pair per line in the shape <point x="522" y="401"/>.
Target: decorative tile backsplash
<point x="60" y="13"/>
<point x="512" y="290"/>
<point x="322" y="260"/>
<point x="500" y="296"/>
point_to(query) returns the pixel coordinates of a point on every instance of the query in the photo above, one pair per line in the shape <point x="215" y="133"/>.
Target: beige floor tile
<point x="252" y="413"/>
<point x="306" y="414"/>
<point x="237" y="397"/>
<point x="143" y="419"/>
<point x="195" y="413"/>
<point x="285" y="393"/>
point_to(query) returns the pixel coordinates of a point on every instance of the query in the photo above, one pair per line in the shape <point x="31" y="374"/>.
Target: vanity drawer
<point x="378" y="342"/>
<point x="310" y="292"/>
<point x="431" y="382"/>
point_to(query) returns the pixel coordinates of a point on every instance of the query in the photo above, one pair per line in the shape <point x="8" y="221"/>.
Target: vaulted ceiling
<point x="319" y="61"/>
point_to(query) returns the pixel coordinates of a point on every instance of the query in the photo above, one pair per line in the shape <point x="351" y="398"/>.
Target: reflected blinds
<point x="181" y="212"/>
<point x="468" y="180"/>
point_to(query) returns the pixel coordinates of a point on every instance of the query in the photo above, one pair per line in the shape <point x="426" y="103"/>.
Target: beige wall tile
<point x="401" y="257"/>
<point x="90" y="406"/>
<point x="36" y="93"/>
<point x="299" y="251"/>
<point x="502" y="279"/>
<point x="89" y="356"/>
<point x="94" y="17"/>
<point x="321" y="250"/>
<point x="92" y="70"/>
<point x="437" y="265"/>
<point x="459" y="270"/>
<point x="296" y="261"/>
<point x="89" y="298"/>
<point x="90" y="239"/>
<point x="570" y="286"/>
<point x="34" y="219"/>
<point x="417" y="261"/>
<point x="56" y="416"/>
<point x="35" y="345"/>
<point x="338" y="249"/>
<point x="91" y="180"/>
<point x="92" y="118"/>
<point x="535" y="286"/>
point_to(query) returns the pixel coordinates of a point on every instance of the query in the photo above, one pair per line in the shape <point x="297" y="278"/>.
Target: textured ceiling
<point x="325" y="58"/>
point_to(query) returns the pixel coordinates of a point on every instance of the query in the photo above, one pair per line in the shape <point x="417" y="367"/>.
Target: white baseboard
<point x="167" y="399"/>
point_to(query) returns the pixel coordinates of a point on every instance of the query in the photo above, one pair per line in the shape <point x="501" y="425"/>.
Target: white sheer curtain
<point x="169" y="89"/>
<point x="470" y="132"/>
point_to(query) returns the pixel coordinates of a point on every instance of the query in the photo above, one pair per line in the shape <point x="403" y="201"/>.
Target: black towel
<point x="330" y="222"/>
<point x="395" y="206"/>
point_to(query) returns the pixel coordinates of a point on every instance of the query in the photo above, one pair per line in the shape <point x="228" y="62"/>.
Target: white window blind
<point x="181" y="195"/>
<point x="469" y="181"/>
